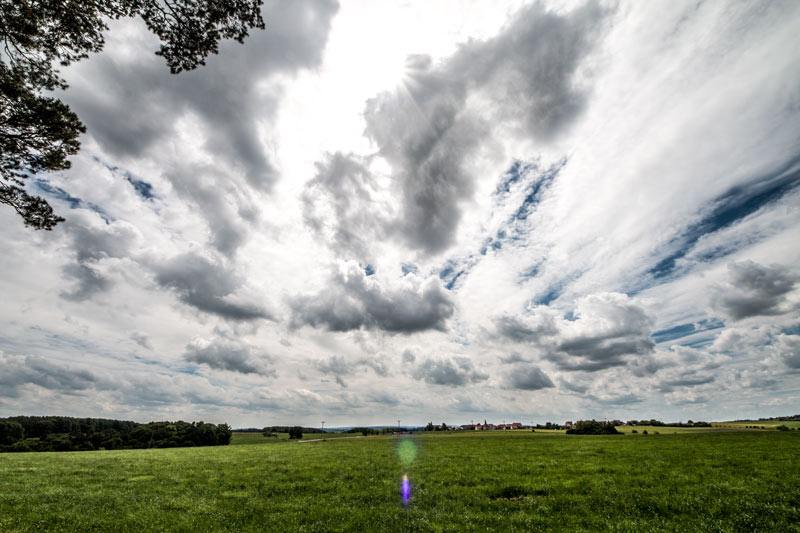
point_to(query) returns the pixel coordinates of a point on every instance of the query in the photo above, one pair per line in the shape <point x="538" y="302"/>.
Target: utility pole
<point x="323" y="426"/>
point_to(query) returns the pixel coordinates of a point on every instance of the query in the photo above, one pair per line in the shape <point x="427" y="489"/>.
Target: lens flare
<point x="405" y="489"/>
<point x="407" y="451"/>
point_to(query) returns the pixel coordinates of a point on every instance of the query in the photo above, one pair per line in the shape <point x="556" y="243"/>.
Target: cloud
<point x="18" y="371"/>
<point x="685" y="380"/>
<point x="209" y="286"/>
<point x="755" y="290"/>
<point x="228" y="107"/>
<point x="604" y="330"/>
<point x="225" y="354"/>
<point x="455" y="371"/>
<point x="142" y="340"/>
<point x="339" y="367"/>
<point x="94" y="242"/>
<point x="528" y="328"/>
<point x="527" y="377"/>
<point x="136" y="81"/>
<point x="353" y="300"/>
<point x="514" y="357"/>
<point x="787" y="350"/>
<point x="340" y="206"/>
<point x="432" y="138"/>
<point x="608" y="327"/>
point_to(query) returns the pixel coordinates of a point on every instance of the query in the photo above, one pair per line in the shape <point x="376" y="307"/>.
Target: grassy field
<point x="506" y="481"/>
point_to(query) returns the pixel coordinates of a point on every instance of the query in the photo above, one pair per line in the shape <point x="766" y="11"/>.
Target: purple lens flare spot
<point x="405" y="488"/>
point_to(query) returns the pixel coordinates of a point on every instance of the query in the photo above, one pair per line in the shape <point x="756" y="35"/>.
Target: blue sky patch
<point x="144" y="189"/>
<point x="684" y="330"/>
<point x="731" y="207"/>
<point x="73" y="202"/>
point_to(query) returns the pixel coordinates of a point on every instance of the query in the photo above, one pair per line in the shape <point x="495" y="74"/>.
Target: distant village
<point x="486" y="426"/>
<point x="569" y="424"/>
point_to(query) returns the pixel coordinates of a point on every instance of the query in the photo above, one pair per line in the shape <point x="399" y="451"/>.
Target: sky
<point x="374" y="212"/>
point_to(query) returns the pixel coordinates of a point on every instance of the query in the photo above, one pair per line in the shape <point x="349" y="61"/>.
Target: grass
<point x="511" y="481"/>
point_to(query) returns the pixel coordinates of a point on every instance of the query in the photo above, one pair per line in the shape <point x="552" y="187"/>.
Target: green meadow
<point x="695" y="480"/>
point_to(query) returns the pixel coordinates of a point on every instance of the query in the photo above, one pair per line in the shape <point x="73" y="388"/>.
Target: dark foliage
<point x="286" y="429"/>
<point x="59" y="433"/>
<point x="38" y="133"/>
<point x="592" y="427"/>
<point x="296" y="432"/>
<point x="10" y="432"/>
<point x="659" y="423"/>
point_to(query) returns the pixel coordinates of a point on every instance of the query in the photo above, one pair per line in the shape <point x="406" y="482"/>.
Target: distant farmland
<point x="678" y="480"/>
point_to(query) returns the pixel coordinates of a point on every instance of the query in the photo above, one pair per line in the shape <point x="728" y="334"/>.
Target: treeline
<point x="654" y="422"/>
<point x="788" y="418"/>
<point x="285" y="429"/>
<point x="375" y="431"/>
<point x="61" y="434"/>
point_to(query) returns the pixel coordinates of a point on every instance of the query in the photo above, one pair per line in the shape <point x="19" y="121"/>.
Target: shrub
<point x="592" y="427"/>
<point x="782" y="427"/>
<point x="644" y="432"/>
<point x="296" y="432"/>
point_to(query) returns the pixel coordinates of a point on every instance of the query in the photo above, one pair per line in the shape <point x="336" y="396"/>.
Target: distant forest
<point x="61" y="434"/>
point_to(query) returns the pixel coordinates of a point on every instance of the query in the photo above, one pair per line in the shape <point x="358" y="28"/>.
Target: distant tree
<point x="10" y="432"/>
<point x="592" y="427"/>
<point x="782" y="427"/>
<point x="430" y="427"/>
<point x="38" y="133"/>
<point x="444" y="427"/>
<point x="296" y="432"/>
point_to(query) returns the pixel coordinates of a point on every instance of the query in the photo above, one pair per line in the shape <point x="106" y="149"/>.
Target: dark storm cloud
<point x="527" y="73"/>
<point x="755" y="290"/>
<point x="208" y="286"/>
<point x="339" y="206"/>
<point x="353" y="300"/>
<point x="92" y="242"/>
<point x="452" y="371"/>
<point x="527" y="377"/>
<point x="17" y="371"/>
<point x="223" y="354"/>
